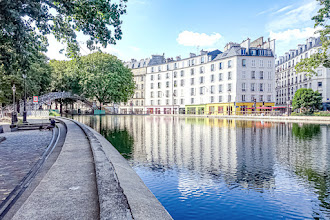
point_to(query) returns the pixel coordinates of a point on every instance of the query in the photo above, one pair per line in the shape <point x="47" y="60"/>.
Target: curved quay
<point x="90" y="180"/>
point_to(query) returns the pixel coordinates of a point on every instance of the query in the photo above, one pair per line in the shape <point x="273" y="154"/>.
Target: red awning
<point x="275" y="107"/>
<point x="264" y="107"/>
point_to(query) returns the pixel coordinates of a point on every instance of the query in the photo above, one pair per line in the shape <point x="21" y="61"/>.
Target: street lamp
<point x="13" y="116"/>
<point x="24" y="111"/>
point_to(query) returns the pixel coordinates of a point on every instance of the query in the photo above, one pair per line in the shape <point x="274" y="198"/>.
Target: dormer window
<point x="243" y="51"/>
<point x="202" y="59"/>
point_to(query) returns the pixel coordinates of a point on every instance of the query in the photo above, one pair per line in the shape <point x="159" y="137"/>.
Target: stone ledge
<point x="142" y="203"/>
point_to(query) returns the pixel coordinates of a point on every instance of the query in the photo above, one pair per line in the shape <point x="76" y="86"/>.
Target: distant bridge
<point x="43" y="100"/>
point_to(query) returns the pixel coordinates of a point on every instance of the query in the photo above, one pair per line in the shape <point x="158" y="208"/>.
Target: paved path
<point x="68" y="190"/>
<point x="18" y="153"/>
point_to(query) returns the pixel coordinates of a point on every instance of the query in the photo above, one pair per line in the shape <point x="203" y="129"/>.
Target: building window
<point x="192" y="100"/>
<point x="192" y="91"/>
<point x="253" y="63"/>
<point x="201" y="90"/>
<point x="212" y="78"/>
<point x="261" y="85"/>
<point x="167" y="101"/>
<point x="212" y="99"/>
<point x="175" y="74"/>
<point x="252" y="87"/>
<point x="220" y="66"/>
<point x="192" y="71"/>
<point x="319" y="72"/>
<point x="212" y="67"/>
<point x="269" y="75"/>
<point x="220" y="88"/>
<point x="229" y="75"/>
<point x="220" y="98"/>
<point x="229" y="98"/>
<point x="244" y="62"/>
<point x="229" y="63"/>
<point x="269" y="64"/>
<point x="167" y="67"/>
<point x="319" y="84"/>
<point x="158" y="85"/>
<point x="152" y="69"/>
<point x="158" y="76"/>
<point x="202" y="59"/>
<point x="152" y="77"/>
<point x="201" y="79"/>
<point x="269" y="98"/>
<point x="175" y="65"/>
<point x="261" y="63"/>
<point x="182" y="73"/>
<point x="159" y="94"/>
<point x="212" y="89"/>
<point x="243" y="98"/>
<point x="175" y="84"/>
<point x="261" y="75"/>
<point x="152" y="102"/>
<point x="253" y="98"/>
<point x="182" y="82"/>
<point x="201" y="69"/>
<point x="243" y="87"/>
<point x="192" y="81"/>
<point x="151" y="94"/>
<point x="261" y="98"/>
<point x="141" y="78"/>
<point x="151" y="85"/>
<point x="175" y="93"/>
<point x="229" y="87"/>
<point x="158" y="102"/>
<point x="253" y="74"/>
<point x="182" y="102"/>
<point x="220" y="76"/>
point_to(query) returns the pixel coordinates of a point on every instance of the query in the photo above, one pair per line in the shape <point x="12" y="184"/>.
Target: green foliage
<point x="320" y="58"/>
<point x="322" y="113"/>
<point x="307" y="100"/>
<point x="105" y="77"/>
<point x="98" y="75"/>
<point x="305" y="131"/>
<point x="122" y="140"/>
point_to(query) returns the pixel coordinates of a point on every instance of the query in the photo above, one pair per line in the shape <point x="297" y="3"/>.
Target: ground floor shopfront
<point x="231" y="108"/>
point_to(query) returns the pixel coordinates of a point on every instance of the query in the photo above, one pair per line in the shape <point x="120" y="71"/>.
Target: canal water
<point x="203" y="168"/>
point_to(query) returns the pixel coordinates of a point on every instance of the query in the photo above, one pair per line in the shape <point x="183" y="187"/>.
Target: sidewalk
<point x="68" y="190"/>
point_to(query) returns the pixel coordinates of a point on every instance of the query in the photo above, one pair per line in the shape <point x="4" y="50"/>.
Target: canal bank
<point x="294" y="119"/>
<point x="90" y="180"/>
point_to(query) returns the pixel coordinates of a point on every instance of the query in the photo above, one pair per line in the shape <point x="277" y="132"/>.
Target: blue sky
<point x="177" y="27"/>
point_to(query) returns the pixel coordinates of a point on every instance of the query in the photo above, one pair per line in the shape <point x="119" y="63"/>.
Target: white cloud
<point x="283" y="9"/>
<point x="293" y="18"/>
<point x="189" y="38"/>
<point x="294" y="34"/>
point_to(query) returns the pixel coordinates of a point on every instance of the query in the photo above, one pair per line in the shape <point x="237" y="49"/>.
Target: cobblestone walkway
<point x="18" y="153"/>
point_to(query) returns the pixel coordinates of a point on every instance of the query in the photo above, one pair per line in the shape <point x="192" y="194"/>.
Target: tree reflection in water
<point x="305" y="131"/>
<point x="121" y="140"/>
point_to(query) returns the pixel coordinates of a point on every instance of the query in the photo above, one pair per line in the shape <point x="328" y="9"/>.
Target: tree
<point x="307" y="100"/>
<point x="105" y="78"/>
<point x="321" y="58"/>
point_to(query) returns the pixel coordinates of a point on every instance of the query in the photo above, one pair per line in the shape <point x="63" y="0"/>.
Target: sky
<point x="178" y="27"/>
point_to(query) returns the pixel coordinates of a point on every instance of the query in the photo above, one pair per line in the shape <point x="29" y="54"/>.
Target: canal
<point x="203" y="168"/>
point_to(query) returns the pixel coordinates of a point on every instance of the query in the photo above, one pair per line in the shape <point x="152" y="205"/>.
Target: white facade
<point x="242" y="73"/>
<point x="288" y="82"/>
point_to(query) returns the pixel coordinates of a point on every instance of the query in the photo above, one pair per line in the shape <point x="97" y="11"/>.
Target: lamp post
<point x="13" y="116"/>
<point x="24" y="110"/>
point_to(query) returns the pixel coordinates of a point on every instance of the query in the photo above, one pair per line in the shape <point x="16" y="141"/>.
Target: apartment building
<point x="288" y="81"/>
<point x="240" y="79"/>
<point x="136" y="104"/>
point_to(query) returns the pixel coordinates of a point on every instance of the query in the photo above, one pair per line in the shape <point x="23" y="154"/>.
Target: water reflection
<point x="226" y="168"/>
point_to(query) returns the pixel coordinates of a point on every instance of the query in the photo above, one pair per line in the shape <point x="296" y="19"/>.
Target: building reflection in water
<point x="245" y="154"/>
